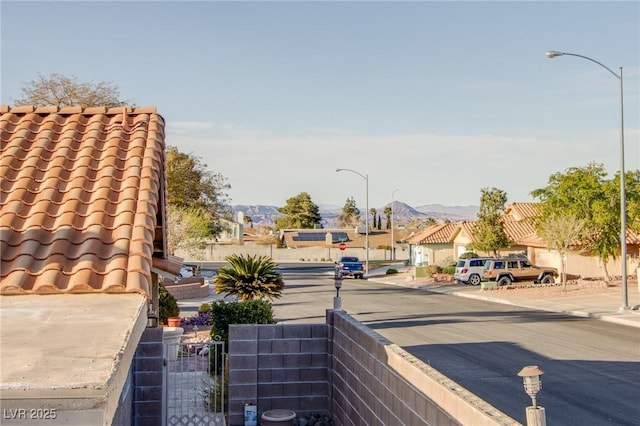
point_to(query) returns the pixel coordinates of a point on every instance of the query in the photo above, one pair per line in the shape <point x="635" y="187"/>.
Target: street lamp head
<point x="531" y="381"/>
<point x="338" y="170"/>
<point x="337" y="282"/>
<point x="552" y="54"/>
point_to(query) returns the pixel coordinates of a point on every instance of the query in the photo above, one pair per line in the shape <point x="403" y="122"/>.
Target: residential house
<point x="434" y="245"/>
<point x="83" y="246"/>
<point x="440" y="243"/>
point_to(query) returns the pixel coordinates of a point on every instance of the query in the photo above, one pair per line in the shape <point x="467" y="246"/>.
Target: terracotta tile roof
<point x="436" y="234"/>
<point x="521" y="211"/>
<point x="80" y="198"/>
<point x="468" y="228"/>
<point x="518" y="230"/>
<point x="633" y="237"/>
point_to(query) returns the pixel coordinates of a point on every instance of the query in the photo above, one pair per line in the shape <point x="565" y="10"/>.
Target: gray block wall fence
<point x="278" y="366"/>
<point x="348" y="371"/>
<point x="148" y="363"/>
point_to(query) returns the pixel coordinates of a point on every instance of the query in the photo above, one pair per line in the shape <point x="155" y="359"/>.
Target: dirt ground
<point x="578" y="287"/>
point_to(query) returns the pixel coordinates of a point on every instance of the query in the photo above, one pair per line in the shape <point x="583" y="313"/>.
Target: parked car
<point x="349" y="266"/>
<point x="506" y="270"/>
<point x="469" y="271"/>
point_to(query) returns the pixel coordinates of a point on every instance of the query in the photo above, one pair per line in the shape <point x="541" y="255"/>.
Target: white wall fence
<point x="219" y="252"/>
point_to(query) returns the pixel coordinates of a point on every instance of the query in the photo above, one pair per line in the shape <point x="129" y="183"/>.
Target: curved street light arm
<point x="366" y="216"/>
<point x="623" y="198"/>
<point x="353" y="171"/>
<point x="552" y="54"/>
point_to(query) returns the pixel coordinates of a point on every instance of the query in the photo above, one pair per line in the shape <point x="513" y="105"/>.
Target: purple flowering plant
<point x="202" y="319"/>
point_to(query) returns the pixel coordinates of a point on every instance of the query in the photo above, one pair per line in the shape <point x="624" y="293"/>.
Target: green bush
<point x="223" y="314"/>
<point x="468" y="255"/>
<point x="391" y="271"/>
<point x="168" y="305"/>
<point x="253" y="311"/>
<point x="433" y="269"/>
<point x="205" y="307"/>
<point x="450" y="270"/>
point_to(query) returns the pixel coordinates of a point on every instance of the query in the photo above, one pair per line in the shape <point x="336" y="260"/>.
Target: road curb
<point x="627" y="319"/>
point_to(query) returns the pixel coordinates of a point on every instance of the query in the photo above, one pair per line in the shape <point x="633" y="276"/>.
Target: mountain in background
<point x="403" y="213"/>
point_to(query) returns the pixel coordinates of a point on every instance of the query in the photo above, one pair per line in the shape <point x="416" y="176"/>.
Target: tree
<point x="560" y="232"/>
<point x="249" y="277"/>
<point x="468" y="255"/>
<point x="350" y="216"/>
<point x="379" y="226"/>
<point x="430" y="221"/>
<point x="60" y="90"/>
<point x="585" y="193"/>
<point x="189" y="229"/>
<point x="167" y="305"/>
<point x="373" y="213"/>
<point x="299" y="213"/>
<point x="632" y="189"/>
<point x="489" y="234"/>
<point x="388" y="211"/>
<point x="191" y="187"/>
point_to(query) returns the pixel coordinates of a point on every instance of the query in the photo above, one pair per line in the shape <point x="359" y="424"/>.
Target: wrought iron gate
<point x="194" y="383"/>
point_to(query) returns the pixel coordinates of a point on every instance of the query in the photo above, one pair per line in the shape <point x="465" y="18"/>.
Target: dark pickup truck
<point x="349" y="265"/>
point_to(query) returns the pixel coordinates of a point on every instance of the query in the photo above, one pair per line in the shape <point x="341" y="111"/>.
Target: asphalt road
<point x="592" y="368"/>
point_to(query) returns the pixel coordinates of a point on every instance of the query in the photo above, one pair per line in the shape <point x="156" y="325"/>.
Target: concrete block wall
<point x="366" y="391"/>
<point x="377" y="383"/>
<point x="147" y="379"/>
<point x="187" y="290"/>
<point x="347" y="370"/>
<point x="278" y="366"/>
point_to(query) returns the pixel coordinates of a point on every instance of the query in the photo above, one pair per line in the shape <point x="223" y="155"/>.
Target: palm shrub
<point x="249" y="277"/>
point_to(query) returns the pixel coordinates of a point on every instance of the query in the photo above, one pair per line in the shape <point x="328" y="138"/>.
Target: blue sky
<point x="432" y="100"/>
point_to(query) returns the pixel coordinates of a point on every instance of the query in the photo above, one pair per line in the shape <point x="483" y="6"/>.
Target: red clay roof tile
<point x="79" y="198"/>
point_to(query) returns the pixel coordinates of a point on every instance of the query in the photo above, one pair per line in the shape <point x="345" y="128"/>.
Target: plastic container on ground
<point x="278" y="418"/>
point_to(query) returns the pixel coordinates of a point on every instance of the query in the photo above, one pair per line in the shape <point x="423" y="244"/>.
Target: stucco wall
<point x="313" y="254"/>
<point x="585" y="266"/>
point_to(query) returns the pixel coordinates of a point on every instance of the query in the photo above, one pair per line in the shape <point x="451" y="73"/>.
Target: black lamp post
<point x="337" y="302"/>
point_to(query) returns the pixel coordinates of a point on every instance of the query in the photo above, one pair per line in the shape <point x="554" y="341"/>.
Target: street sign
<point x="342" y="246"/>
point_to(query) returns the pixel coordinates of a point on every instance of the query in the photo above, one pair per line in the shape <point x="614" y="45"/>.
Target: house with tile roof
<point x="433" y="245"/>
<point x="439" y="244"/>
<point x="83" y="248"/>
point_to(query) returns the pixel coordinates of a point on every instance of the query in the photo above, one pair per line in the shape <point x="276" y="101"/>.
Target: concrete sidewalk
<point x="605" y="307"/>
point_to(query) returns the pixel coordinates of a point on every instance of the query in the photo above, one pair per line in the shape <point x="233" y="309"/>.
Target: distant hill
<point x="403" y="213"/>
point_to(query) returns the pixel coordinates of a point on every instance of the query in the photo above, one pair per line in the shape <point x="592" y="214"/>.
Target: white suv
<point x="469" y="271"/>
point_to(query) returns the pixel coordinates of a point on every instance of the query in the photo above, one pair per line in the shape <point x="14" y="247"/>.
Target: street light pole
<point x="623" y="198"/>
<point x="366" y="217"/>
<point x="393" y="251"/>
